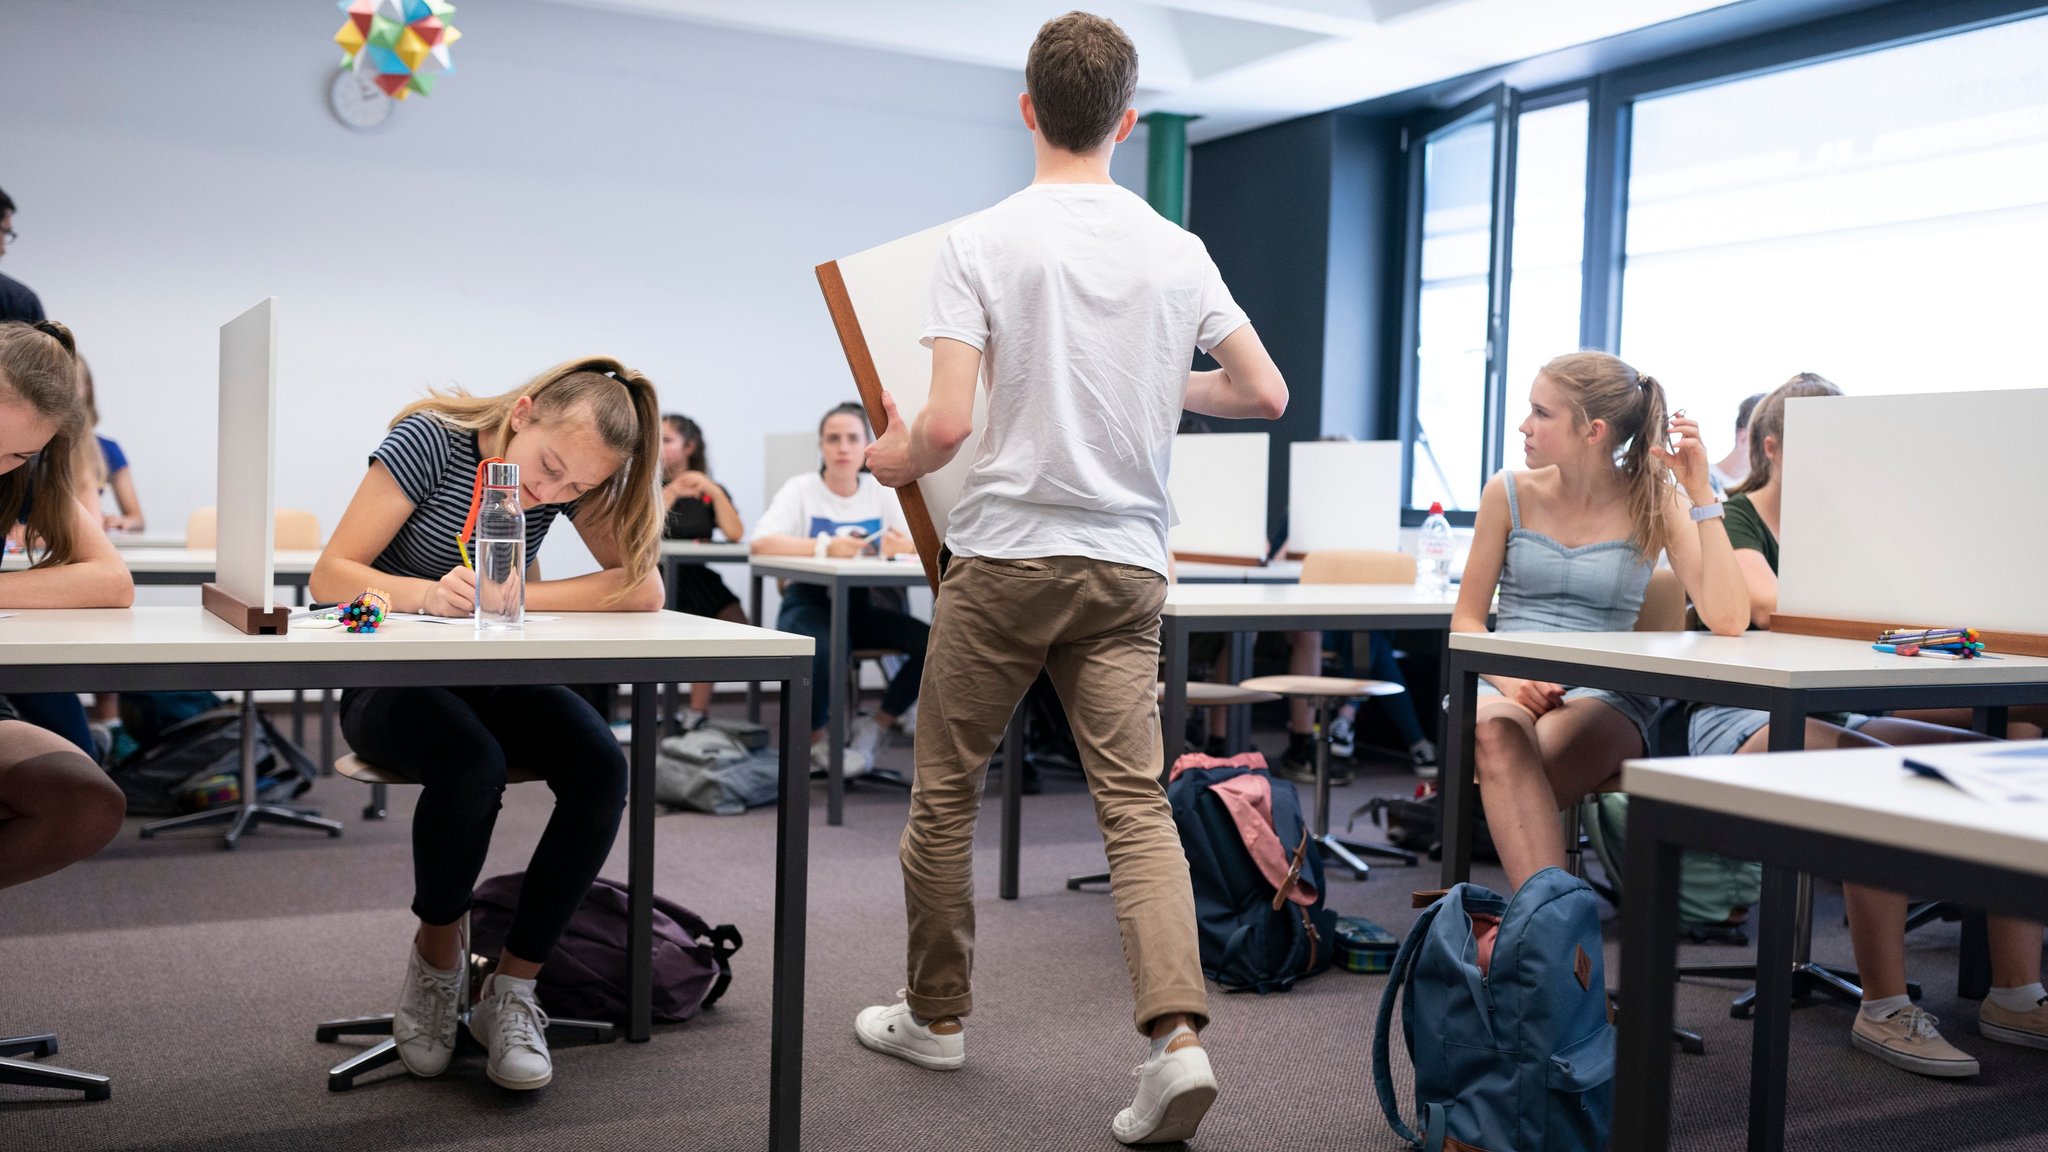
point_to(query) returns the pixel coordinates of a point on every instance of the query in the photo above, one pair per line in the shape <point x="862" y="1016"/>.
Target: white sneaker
<point x="891" y="1029"/>
<point x="907" y="723"/>
<point x="1175" y="1089"/>
<point x="508" y="1021"/>
<point x="851" y="763"/>
<point x="866" y="738"/>
<point x="688" y="719"/>
<point x="1423" y="755"/>
<point x="429" y="1007"/>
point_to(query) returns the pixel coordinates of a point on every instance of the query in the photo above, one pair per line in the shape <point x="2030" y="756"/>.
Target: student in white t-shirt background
<point x="840" y="511"/>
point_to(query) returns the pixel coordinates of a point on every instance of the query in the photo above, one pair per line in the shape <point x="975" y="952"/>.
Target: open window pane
<point x="1451" y="317"/>
<point x="1880" y="219"/>
<point x="1547" y="251"/>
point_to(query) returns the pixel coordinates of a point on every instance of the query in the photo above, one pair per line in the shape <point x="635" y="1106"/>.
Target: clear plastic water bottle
<point x="1433" y="554"/>
<point x="500" y="552"/>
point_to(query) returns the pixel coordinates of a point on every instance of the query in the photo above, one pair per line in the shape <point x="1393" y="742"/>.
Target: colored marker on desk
<point x="1898" y="649"/>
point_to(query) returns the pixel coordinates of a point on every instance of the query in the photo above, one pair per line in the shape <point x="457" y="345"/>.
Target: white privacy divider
<point x="1917" y="510"/>
<point x="878" y="300"/>
<point x="1343" y="494"/>
<point x="241" y="592"/>
<point x="1218" y="488"/>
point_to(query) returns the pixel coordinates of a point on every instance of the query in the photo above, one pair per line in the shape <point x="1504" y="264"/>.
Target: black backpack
<point x="1252" y="938"/>
<point x="196" y="763"/>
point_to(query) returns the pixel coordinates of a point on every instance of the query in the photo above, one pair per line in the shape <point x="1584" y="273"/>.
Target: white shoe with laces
<point x="1175" y="1090"/>
<point x="891" y="1030"/>
<point x="865" y="739"/>
<point x="508" y="1020"/>
<point x="429" y="1008"/>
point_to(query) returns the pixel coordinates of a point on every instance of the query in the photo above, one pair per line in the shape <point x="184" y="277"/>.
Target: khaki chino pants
<point x="1094" y="627"/>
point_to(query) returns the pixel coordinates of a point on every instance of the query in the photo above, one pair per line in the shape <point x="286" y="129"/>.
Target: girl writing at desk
<point x="585" y="436"/>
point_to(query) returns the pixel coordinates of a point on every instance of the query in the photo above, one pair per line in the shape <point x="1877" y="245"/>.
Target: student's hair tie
<point x="476" y="499"/>
<point x="59" y="333"/>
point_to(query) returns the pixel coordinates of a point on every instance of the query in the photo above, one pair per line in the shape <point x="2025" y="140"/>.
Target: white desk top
<point x="1205" y="572"/>
<point x="127" y="540"/>
<point x="907" y="569"/>
<point x="1289" y="599"/>
<point x="1769" y="659"/>
<point x="704" y="549"/>
<point x="194" y="636"/>
<point x="292" y="562"/>
<point x="1866" y="794"/>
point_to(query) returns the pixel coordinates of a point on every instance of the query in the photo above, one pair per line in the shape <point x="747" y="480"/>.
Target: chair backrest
<point x="1350" y="566"/>
<point x="1663" y="604"/>
<point x="295" y="530"/>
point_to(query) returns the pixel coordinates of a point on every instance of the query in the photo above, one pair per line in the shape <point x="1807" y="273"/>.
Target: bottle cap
<point x="501" y="475"/>
<point x="1436" y="508"/>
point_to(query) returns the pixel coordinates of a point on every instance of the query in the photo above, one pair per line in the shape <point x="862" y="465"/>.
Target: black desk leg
<point x="1173" y="708"/>
<point x="1455" y="770"/>
<point x="754" y="616"/>
<point x="1649" y="948"/>
<point x="792" y="860"/>
<point x="1238" y="727"/>
<point x="1013" y="800"/>
<point x="1770" y="1045"/>
<point x="838" y="706"/>
<point x="640" y="864"/>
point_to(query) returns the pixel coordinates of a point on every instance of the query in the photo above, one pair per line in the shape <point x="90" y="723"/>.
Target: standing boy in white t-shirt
<point x="1086" y="307"/>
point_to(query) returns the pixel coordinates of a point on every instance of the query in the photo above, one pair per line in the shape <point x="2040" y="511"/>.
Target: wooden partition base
<point x="2014" y="643"/>
<point x="248" y="617"/>
<point x="1206" y="558"/>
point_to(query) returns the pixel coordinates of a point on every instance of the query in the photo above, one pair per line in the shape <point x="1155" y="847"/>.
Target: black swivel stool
<point x="29" y="1074"/>
<point x="342" y="1076"/>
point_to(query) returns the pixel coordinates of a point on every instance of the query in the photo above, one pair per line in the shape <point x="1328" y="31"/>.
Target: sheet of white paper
<point x="1998" y="773"/>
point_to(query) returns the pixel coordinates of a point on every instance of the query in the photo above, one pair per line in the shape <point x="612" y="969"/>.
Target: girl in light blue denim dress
<point x="1570" y="545"/>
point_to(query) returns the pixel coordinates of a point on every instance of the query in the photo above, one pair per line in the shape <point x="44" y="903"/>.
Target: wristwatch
<point x="1707" y="511"/>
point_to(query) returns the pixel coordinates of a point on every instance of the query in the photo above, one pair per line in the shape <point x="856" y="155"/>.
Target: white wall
<point x="586" y="182"/>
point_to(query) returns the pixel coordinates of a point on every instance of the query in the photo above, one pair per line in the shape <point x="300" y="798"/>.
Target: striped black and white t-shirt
<point x="435" y="466"/>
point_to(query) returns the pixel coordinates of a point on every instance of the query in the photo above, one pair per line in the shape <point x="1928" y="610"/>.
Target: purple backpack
<point x="586" y="978"/>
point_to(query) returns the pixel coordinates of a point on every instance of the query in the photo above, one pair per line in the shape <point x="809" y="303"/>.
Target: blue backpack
<point x="1252" y="938"/>
<point x="1520" y="1057"/>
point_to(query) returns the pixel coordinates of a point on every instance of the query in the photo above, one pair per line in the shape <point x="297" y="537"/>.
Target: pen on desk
<point x="1898" y="649"/>
<point x="1926" y="655"/>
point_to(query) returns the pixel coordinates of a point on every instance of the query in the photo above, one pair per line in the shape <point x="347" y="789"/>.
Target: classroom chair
<point x="342" y="1076"/>
<point x="28" y="1074"/>
<point x="1324" y="692"/>
<point x="1202" y="696"/>
<point x="293" y="530"/>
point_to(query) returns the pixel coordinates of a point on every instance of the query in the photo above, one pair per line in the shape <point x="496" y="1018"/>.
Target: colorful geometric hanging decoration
<point x="401" y="45"/>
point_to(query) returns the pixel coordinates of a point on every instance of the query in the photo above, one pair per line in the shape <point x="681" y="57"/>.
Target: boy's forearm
<point x="932" y="448"/>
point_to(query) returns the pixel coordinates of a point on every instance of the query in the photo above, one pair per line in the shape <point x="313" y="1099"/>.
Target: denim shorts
<point x="1719" y="730"/>
<point x="1640" y="711"/>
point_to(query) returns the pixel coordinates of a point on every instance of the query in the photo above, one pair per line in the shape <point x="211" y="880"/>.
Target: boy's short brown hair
<point x="1082" y="74"/>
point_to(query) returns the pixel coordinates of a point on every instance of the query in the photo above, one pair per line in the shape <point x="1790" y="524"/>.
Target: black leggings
<point x="460" y="743"/>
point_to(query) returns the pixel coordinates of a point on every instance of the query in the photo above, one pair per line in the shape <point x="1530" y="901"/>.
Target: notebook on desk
<point x="1997" y="772"/>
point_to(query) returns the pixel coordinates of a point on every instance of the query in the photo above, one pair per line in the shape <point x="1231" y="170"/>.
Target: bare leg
<point x="1529" y="771"/>
<point x="2015" y="952"/>
<point x="1877" y="934"/>
<point x="440" y="944"/>
<point x="56" y="806"/>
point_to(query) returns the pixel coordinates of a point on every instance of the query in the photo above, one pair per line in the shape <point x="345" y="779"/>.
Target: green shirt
<point x="1746" y="529"/>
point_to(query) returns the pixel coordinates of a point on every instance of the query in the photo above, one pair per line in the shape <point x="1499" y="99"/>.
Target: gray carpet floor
<point x="194" y="977"/>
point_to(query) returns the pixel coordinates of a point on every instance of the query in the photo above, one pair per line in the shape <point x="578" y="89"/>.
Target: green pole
<point x="1166" y="164"/>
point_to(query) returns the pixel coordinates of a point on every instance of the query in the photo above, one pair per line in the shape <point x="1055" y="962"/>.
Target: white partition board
<point x="784" y="456"/>
<point x="1924" y="509"/>
<point x="1344" y="494"/>
<point x="247" y="457"/>
<point x="1218" y="487"/>
<point x="889" y="290"/>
